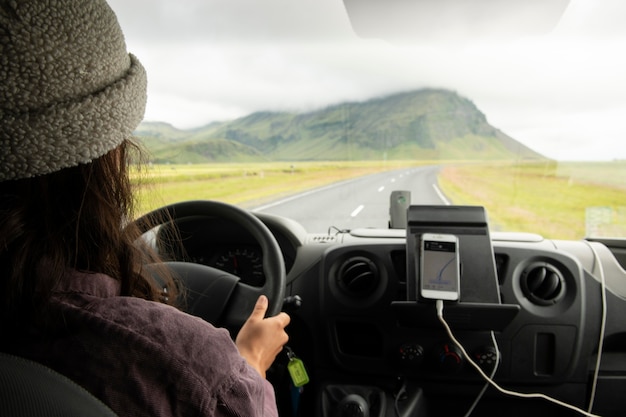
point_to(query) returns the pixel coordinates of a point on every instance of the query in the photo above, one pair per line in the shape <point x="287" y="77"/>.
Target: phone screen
<point x="440" y="269"/>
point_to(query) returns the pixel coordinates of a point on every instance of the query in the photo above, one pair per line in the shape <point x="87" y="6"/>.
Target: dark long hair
<point x="76" y="218"/>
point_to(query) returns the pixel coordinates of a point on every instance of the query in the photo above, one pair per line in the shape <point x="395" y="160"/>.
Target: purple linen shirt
<point x="144" y="358"/>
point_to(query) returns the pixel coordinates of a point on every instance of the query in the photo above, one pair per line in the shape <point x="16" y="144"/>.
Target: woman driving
<point x="75" y="294"/>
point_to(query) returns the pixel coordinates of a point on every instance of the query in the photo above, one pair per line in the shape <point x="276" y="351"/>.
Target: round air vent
<point x="358" y="277"/>
<point x="542" y="284"/>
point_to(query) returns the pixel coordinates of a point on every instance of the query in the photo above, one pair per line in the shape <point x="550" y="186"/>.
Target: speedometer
<point x="244" y="262"/>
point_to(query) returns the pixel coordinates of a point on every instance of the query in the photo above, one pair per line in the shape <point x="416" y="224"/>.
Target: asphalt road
<point x="361" y="202"/>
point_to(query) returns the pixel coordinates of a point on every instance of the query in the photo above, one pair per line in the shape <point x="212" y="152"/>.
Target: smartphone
<point x="439" y="267"/>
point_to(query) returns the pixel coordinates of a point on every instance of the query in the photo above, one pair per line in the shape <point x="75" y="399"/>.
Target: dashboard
<point x="367" y="342"/>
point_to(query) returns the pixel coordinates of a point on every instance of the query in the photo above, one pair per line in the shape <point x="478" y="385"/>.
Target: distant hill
<point x="422" y="124"/>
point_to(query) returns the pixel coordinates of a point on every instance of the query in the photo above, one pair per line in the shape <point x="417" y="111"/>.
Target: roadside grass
<point x="244" y="184"/>
<point x="564" y="200"/>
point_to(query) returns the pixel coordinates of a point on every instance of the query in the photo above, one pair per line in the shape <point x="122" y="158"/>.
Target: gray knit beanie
<point x="69" y="90"/>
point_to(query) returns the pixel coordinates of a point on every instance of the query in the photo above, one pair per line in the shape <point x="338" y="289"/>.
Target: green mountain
<point x="422" y="124"/>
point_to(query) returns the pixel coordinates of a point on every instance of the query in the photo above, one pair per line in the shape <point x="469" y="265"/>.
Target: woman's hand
<point x="261" y="339"/>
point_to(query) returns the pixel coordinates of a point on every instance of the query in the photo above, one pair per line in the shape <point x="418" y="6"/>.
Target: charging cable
<point x="439" y="306"/>
<point x="400" y="395"/>
<point x="596" y="372"/>
<point x="493" y="373"/>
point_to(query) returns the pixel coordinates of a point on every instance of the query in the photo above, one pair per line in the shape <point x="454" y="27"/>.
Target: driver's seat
<point x="28" y="388"/>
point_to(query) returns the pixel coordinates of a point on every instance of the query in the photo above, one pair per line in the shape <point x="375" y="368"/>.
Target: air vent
<point x="358" y="277"/>
<point x="543" y="284"/>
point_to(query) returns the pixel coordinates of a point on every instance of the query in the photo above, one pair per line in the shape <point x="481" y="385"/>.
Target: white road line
<point x="300" y="195"/>
<point x="357" y="210"/>
<point x="303" y="194"/>
<point x="381" y="189"/>
<point x="441" y="196"/>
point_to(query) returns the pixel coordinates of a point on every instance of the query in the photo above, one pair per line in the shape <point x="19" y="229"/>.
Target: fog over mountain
<point x="423" y="124"/>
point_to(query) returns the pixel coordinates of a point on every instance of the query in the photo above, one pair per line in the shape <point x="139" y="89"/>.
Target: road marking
<point x="309" y="192"/>
<point x="300" y="195"/>
<point x="381" y="188"/>
<point x="357" y="210"/>
<point x="441" y="196"/>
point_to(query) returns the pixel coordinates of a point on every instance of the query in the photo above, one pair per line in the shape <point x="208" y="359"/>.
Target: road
<point x="360" y="202"/>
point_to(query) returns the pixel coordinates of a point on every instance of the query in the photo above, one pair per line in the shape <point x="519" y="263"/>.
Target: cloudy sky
<point x="563" y="93"/>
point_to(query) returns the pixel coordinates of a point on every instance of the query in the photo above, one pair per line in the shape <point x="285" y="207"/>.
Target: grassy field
<point x="564" y="200"/>
<point x="247" y="184"/>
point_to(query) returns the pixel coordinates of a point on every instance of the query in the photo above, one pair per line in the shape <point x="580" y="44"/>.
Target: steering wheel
<point x="214" y="295"/>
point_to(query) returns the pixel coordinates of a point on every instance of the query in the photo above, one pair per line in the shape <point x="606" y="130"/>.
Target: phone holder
<point x="479" y="283"/>
<point x="479" y="306"/>
<point x="399" y="202"/>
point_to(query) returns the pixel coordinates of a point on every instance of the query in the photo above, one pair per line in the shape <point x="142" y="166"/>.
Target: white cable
<point x="596" y="372"/>
<point x="399" y="395"/>
<point x="439" y="306"/>
<point x="493" y="374"/>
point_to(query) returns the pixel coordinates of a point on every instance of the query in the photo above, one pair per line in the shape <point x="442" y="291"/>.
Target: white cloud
<point x="563" y="94"/>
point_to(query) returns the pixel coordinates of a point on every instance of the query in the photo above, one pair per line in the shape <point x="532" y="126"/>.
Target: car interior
<point x="370" y="342"/>
<point x="510" y="323"/>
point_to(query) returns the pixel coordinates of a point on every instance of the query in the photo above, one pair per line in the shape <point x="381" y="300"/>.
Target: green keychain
<point x="296" y="369"/>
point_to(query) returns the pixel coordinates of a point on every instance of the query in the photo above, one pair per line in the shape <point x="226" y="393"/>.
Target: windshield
<point x="318" y="110"/>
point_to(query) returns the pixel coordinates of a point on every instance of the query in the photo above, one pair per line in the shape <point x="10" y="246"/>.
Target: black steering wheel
<point x="214" y="295"/>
